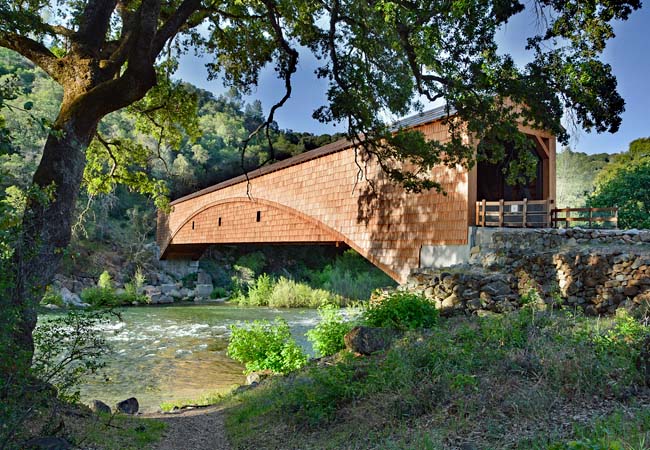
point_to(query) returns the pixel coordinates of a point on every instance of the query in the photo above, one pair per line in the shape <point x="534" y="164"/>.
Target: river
<point x="178" y="352"/>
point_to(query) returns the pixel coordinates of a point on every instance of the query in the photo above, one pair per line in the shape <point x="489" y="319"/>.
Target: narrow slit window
<point x="219" y="221"/>
<point x="192" y="224"/>
<point x="259" y="215"/>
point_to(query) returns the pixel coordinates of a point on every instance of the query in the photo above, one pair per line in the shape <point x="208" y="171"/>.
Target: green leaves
<point x="625" y="183"/>
<point x="262" y="345"/>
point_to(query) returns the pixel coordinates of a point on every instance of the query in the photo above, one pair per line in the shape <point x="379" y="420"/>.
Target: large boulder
<point x="168" y="288"/>
<point x="128" y="406"/>
<point x="203" y="277"/>
<point x="203" y="290"/>
<point x="71" y="299"/>
<point x="165" y="299"/>
<point x="98" y="406"/>
<point x="368" y="340"/>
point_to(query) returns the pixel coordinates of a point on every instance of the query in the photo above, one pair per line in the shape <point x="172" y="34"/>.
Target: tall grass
<point x="284" y="293"/>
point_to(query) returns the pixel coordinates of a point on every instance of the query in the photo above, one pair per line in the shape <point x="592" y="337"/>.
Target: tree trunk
<point x="46" y="227"/>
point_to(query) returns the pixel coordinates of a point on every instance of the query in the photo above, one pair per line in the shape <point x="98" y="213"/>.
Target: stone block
<point x="203" y="290"/>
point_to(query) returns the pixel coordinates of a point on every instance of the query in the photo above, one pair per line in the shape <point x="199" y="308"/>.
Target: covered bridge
<point x="319" y="197"/>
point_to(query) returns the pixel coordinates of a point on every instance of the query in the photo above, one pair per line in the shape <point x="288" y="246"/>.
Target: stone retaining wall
<point x="595" y="270"/>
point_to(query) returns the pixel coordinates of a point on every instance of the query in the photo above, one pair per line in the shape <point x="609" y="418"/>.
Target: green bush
<point x="403" y="311"/>
<point x="219" y="292"/>
<point x="261" y="345"/>
<point x="327" y="336"/>
<point x="52" y="297"/>
<point x="132" y="289"/>
<point x="98" y="296"/>
<point x="105" y="280"/>
<point x="290" y="294"/>
<point x="260" y="291"/>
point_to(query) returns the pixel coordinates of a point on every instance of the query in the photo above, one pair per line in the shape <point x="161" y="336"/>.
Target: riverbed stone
<point x="167" y="288"/>
<point x="203" y="277"/>
<point x="128" y="406"/>
<point x="71" y="299"/>
<point x="98" y="406"/>
<point x="165" y="299"/>
<point x="203" y="290"/>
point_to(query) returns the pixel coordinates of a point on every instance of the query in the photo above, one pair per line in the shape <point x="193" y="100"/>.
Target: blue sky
<point x="628" y="53"/>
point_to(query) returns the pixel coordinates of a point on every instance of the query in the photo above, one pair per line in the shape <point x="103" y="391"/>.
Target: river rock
<point x="368" y="340"/>
<point x="128" y="406"/>
<point x="71" y="299"/>
<point x="98" y="406"/>
<point x="203" y="290"/>
<point x="203" y="277"/>
<point x="165" y="299"/>
<point x="47" y="443"/>
<point x="167" y="288"/>
<point x="257" y="377"/>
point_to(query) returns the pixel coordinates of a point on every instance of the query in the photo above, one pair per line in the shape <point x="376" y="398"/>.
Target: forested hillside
<point x="576" y="173"/>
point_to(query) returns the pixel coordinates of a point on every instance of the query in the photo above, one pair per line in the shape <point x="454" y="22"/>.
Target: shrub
<point x="261" y="345"/>
<point x="98" y="296"/>
<point x="105" y="280"/>
<point x="327" y="336"/>
<point x="219" y="292"/>
<point x="70" y="347"/>
<point x="260" y="291"/>
<point x="403" y="311"/>
<point x="133" y="289"/>
<point x="52" y="297"/>
<point x="290" y="294"/>
<point x="351" y="276"/>
<point x="254" y="261"/>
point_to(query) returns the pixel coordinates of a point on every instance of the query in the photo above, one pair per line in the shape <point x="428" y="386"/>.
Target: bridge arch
<point x="239" y="220"/>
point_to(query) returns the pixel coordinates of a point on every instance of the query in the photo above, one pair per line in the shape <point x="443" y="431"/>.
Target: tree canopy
<point x="378" y="57"/>
<point x="625" y="183"/>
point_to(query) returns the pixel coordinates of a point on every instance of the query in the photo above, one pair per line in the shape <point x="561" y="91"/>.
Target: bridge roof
<point x="333" y="147"/>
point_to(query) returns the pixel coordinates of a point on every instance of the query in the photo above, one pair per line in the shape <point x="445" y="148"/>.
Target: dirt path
<point x="195" y="429"/>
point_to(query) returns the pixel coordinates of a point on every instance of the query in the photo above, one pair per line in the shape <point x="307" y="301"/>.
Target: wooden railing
<point x="505" y="213"/>
<point x="606" y="217"/>
<point x="540" y="214"/>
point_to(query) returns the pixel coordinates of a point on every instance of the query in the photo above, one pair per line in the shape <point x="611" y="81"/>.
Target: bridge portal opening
<point x="493" y="186"/>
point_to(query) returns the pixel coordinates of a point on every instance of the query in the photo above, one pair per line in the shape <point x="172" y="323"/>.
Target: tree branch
<point x="34" y="51"/>
<point x="177" y="20"/>
<point x="94" y="24"/>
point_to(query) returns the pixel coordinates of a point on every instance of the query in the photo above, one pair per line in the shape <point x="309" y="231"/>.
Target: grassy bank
<point x="529" y="380"/>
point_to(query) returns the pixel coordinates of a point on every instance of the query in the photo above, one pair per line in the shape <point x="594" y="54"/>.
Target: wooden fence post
<point x="525" y="212"/>
<point x="483" y="217"/>
<point x="501" y="212"/>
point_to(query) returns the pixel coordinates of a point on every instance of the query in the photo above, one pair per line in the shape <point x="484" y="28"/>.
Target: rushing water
<point x="178" y="352"/>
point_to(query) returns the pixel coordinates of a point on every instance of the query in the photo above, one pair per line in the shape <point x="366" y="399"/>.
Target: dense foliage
<point x="625" y="183"/>
<point x="327" y="336"/>
<point x="261" y="345"/>
<point x="403" y="311"/>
